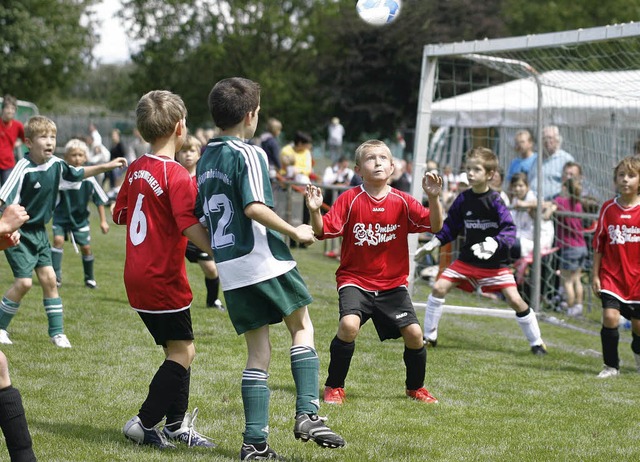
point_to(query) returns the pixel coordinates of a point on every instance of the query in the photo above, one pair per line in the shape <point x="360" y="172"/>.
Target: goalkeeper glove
<point x="429" y="247"/>
<point x="485" y="250"/>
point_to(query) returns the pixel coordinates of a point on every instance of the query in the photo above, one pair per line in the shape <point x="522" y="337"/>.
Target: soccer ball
<point x="378" y="12"/>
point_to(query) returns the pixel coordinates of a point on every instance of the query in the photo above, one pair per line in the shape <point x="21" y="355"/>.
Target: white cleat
<point x="608" y="372"/>
<point x="61" y="341"/>
<point x="4" y="337"/>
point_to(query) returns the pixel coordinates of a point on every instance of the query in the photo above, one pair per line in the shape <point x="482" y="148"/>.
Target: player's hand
<point x="595" y="286"/>
<point x="104" y="227"/>
<point x="432" y="184"/>
<point x="9" y="240"/>
<point x="429" y="247"/>
<point x="485" y="250"/>
<point x="118" y="163"/>
<point x="304" y="235"/>
<point x="313" y="196"/>
<point x="13" y="217"/>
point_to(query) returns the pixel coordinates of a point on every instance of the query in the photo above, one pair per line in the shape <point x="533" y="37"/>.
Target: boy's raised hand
<point x="313" y="198"/>
<point x="432" y="184"/>
<point x="117" y="163"/>
<point x="304" y="235"/>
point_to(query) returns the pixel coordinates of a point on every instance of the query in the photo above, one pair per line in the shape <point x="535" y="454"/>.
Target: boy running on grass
<point x="261" y="283"/>
<point x="616" y="273"/>
<point x="71" y="215"/>
<point x="156" y="202"/>
<point x="374" y="221"/>
<point x="34" y="183"/>
<point x="489" y="232"/>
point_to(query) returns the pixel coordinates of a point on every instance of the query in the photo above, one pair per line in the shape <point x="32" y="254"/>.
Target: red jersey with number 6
<point x="156" y="202"/>
<point x="617" y="238"/>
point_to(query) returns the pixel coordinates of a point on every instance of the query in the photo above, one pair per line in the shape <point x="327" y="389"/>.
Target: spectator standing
<point x="270" y="144"/>
<point x="11" y="134"/>
<point x="526" y="159"/>
<point x="139" y="147"/>
<point x="334" y="139"/>
<point x="117" y="150"/>
<point x="553" y="162"/>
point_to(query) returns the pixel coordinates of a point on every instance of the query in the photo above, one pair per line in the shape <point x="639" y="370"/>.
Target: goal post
<point x="480" y="93"/>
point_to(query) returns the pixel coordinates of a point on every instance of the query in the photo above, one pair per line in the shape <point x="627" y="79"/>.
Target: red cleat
<point x="334" y="395"/>
<point x="422" y="394"/>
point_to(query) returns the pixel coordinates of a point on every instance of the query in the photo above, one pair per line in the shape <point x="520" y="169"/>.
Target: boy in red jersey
<point x="156" y="202"/>
<point x="374" y="221"/>
<point x="616" y="274"/>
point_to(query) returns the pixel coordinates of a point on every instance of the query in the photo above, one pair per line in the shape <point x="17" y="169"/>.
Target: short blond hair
<point x="75" y="144"/>
<point x="157" y="114"/>
<point x="39" y="125"/>
<point x="191" y="142"/>
<point x="370" y="144"/>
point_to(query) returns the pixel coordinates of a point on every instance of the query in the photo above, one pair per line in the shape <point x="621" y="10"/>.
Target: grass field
<point x="497" y="401"/>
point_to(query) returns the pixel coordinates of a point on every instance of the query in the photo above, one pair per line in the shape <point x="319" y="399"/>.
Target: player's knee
<point x="348" y="330"/>
<point x="440" y="289"/>
<point x="23" y="285"/>
<point x="412" y="335"/>
<point x="4" y="371"/>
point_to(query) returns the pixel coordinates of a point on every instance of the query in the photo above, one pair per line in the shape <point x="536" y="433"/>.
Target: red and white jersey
<point x="156" y="202"/>
<point x="617" y="238"/>
<point x="375" y="252"/>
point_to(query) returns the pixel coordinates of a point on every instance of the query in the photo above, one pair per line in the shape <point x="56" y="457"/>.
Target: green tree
<point x="44" y="46"/>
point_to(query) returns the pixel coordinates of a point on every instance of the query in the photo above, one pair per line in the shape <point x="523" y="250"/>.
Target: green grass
<point x="497" y="401"/>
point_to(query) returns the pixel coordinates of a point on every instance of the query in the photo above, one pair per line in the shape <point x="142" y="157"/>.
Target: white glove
<point x="429" y="247"/>
<point x="485" y="250"/>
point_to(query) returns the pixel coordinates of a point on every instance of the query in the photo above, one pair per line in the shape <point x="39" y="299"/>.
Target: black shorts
<point x="390" y="310"/>
<point x="168" y="326"/>
<point x="628" y="310"/>
<point x="194" y="254"/>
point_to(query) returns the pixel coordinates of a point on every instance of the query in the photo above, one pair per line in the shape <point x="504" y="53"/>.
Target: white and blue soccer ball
<point x="378" y="12"/>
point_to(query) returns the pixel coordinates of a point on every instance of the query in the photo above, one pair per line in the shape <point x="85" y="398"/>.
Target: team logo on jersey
<point x="37" y="185"/>
<point x="469" y="213"/>
<point x="623" y="234"/>
<point x="374" y="235"/>
<point x="378" y="209"/>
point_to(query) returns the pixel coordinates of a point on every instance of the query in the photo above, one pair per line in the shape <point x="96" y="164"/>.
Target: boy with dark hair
<point x="489" y="232"/>
<point x="34" y="183"/>
<point x="11" y="130"/>
<point x="261" y="283"/>
<point x="71" y="215"/>
<point x="374" y="221"/>
<point x="156" y="203"/>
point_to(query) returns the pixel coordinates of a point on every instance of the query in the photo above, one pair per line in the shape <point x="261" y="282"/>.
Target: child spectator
<point x="188" y="157"/>
<point x="71" y="215"/>
<point x="374" y="221"/>
<point x="34" y="184"/>
<point x="496" y="185"/>
<point x="571" y="243"/>
<point x="11" y="133"/>
<point x="261" y="283"/>
<point x="489" y="232"/>
<point x="156" y="203"/>
<point x="615" y="264"/>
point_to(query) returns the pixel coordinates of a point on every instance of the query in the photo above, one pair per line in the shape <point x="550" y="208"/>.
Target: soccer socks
<point x="213" y="289"/>
<point x="635" y="343"/>
<point x="164" y="389"/>
<point x="14" y="426"/>
<point x="8" y="310"/>
<point x="305" y="367"/>
<point x="528" y="322"/>
<point x="255" y="398"/>
<point x="87" y="266"/>
<point x="416" y="363"/>
<point x="610" y="338"/>
<point x="56" y="262"/>
<point x="341" y="354"/>
<point x="53" y="308"/>
<point x="432" y="315"/>
<point x="177" y="410"/>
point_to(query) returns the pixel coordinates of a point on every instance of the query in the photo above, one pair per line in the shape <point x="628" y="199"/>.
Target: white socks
<point x="432" y="317"/>
<point x="530" y="328"/>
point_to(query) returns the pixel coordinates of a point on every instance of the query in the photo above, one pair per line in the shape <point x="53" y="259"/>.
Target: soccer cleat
<point x="250" y="452"/>
<point x="422" y="394"/>
<point x="608" y="372"/>
<point x="539" y="350"/>
<point x="637" y="357"/>
<point x="4" y="337"/>
<point x="91" y="284"/>
<point x="312" y="427"/>
<point x="218" y="304"/>
<point x="61" y="340"/>
<point x="134" y="431"/>
<point x="187" y="434"/>
<point x="334" y="395"/>
<point x="430" y="342"/>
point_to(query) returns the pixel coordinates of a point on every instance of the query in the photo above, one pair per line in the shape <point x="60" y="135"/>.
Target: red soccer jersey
<point x="156" y="202"/>
<point x="375" y="253"/>
<point x="9" y="133"/>
<point x="617" y="238"/>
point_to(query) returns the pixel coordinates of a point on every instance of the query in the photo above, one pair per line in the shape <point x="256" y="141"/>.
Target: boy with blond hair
<point x="261" y="283"/>
<point x="71" y="215"/>
<point x="156" y="203"/>
<point x="489" y="233"/>
<point x="34" y="183"/>
<point x="374" y="221"/>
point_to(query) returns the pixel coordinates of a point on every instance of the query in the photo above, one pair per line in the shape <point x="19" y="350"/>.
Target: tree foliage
<point x="44" y="46"/>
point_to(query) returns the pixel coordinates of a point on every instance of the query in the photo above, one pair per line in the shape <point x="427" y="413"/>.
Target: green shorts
<point x="266" y="302"/>
<point x="81" y="234"/>
<point x="34" y="251"/>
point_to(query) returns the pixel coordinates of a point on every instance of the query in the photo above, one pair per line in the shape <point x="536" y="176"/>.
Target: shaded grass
<point x="497" y="401"/>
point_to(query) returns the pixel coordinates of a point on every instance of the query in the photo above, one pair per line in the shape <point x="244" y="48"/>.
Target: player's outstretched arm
<point x="200" y="237"/>
<point x="259" y="212"/>
<point x="314" y="201"/>
<point x="93" y="170"/>
<point x="432" y="186"/>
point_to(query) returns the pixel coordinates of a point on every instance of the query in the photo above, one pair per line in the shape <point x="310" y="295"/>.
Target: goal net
<point x="481" y="93"/>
